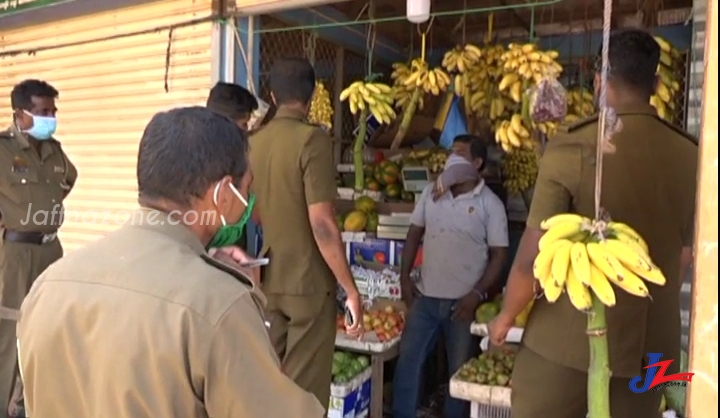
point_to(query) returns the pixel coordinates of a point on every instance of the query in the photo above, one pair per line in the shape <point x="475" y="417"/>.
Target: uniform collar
<point x="289" y="114"/>
<point x="21" y="137"/>
<point x="636" y="109"/>
<point x="166" y="224"/>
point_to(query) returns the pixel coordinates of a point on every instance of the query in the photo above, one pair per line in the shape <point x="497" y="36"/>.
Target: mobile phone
<point x="256" y="263"/>
<point x="349" y="320"/>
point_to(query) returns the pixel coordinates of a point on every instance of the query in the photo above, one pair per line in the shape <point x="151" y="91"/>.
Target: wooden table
<point x="377" y="379"/>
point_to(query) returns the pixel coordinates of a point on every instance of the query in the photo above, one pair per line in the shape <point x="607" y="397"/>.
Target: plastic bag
<point x="548" y="101"/>
<point x="675" y="395"/>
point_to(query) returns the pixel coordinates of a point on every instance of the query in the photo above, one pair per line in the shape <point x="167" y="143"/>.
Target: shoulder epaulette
<point x="227" y="269"/>
<point x="678" y="130"/>
<point x="573" y="126"/>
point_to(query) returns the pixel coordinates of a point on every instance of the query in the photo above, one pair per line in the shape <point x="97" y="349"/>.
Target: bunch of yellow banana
<point x="549" y="128"/>
<point x="581" y="102"/>
<point x="668" y="86"/>
<point x="461" y="58"/>
<point x="401" y="91"/>
<point x="321" y="110"/>
<point x="511" y="134"/>
<point x="526" y="62"/>
<point x="431" y="80"/>
<point x="573" y="258"/>
<point x="519" y="170"/>
<point x="377" y="98"/>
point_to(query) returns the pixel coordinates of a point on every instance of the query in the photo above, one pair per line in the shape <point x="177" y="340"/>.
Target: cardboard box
<point x="362" y="408"/>
<point x="343" y="407"/>
<point x="397" y="252"/>
<point x="373" y="250"/>
<point x="386" y="285"/>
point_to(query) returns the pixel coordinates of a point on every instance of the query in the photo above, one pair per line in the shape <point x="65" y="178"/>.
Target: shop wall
<point x="112" y="74"/>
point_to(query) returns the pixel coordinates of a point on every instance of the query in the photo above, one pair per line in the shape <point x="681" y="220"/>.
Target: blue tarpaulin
<point x="454" y="124"/>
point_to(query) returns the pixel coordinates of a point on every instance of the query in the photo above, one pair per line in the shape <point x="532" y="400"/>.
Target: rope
<point x="605" y="113"/>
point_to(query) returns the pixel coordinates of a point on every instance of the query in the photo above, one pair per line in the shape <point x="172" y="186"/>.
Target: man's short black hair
<point x="185" y="150"/>
<point x="478" y="148"/>
<point x="22" y="94"/>
<point x="231" y="100"/>
<point x="292" y="80"/>
<point x="633" y="59"/>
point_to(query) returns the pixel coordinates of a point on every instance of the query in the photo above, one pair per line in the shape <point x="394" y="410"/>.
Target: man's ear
<point x="477" y="163"/>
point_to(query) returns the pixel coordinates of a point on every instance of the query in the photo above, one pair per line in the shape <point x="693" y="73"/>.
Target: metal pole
<point x="703" y="390"/>
<point x="337" y="104"/>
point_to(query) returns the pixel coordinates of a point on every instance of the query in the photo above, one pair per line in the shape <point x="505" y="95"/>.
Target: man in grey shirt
<point x="464" y="236"/>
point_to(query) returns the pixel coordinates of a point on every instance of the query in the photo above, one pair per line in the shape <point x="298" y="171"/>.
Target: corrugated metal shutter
<point x="694" y="101"/>
<point x="108" y="92"/>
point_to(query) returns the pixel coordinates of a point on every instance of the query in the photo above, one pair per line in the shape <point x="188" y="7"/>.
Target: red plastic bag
<point x="548" y="101"/>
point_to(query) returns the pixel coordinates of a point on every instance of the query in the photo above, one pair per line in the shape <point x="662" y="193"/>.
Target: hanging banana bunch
<point x="377" y="98"/>
<point x="460" y="60"/>
<point x="524" y="66"/>
<point x="519" y="170"/>
<point x="321" y="109"/>
<point x="668" y="86"/>
<point x="579" y="256"/>
<point x="482" y="84"/>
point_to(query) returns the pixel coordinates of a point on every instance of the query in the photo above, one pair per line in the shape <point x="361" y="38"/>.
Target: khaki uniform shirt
<point x="649" y="183"/>
<point x="142" y="324"/>
<point x="292" y="163"/>
<point x="32" y="186"/>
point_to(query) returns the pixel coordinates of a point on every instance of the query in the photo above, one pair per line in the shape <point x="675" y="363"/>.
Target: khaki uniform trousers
<point x="544" y="389"/>
<point x="302" y="330"/>
<point x="20" y="266"/>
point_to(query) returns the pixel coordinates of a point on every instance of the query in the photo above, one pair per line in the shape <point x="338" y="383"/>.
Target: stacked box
<point x="346" y="399"/>
<point x="372" y="250"/>
<point x="362" y="409"/>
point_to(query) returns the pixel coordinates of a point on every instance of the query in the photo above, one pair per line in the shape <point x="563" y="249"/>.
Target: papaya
<point x="355" y="221"/>
<point x="365" y="204"/>
<point x="389" y="173"/>
<point x="393" y="191"/>
<point x="372" y="222"/>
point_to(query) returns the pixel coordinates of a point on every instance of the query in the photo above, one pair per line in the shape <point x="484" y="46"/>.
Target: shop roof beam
<point x="351" y="37"/>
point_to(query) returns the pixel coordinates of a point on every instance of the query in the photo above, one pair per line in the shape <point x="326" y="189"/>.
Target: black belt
<point x="37" y="238"/>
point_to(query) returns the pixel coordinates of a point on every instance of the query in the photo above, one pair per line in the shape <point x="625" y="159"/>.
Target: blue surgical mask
<point x="230" y="234"/>
<point x="43" y="127"/>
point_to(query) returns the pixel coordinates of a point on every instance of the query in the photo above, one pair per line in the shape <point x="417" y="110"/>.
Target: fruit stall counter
<point x="383" y="324"/>
<point x="485" y="382"/>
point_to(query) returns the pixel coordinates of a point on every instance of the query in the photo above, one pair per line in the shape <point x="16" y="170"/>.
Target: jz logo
<point x="655" y="375"/>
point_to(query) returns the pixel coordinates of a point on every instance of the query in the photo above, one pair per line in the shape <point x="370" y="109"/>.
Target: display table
<point x="377" y="366"/>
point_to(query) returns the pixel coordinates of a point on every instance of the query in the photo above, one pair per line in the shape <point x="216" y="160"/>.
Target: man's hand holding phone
<point x="354" y="315"/>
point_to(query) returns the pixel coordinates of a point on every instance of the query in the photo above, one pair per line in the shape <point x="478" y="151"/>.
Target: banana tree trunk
<point x="598" y="389"/>
<point x="358" y="148"/>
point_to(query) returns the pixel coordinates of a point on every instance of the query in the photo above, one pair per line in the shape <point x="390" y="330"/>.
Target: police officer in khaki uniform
<point x="143" y="323"/>
<point x="35" y="178"/>
<point x="649" y="183"/>
<point x="295" y="188"/>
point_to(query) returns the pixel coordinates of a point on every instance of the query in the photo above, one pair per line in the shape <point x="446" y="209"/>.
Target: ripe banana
<point x="603" y="260"/>
<point x="580" y="262"/>
<point x="321" y="110"/>
<point x="636" y="262"/>
<point x="601" y="287"/>
<point x="552" y="291"/>
<point x="519" y="170"/>
<point x="578" y="294"/>
<point x="630" y="283"/>
<point x="378" y="98"/>
<point x="542" y="266"/>
<point x="561" y="264"/>
<point x="560" y="231"/>
<point x="461" y="58"/>
<point x="560" y="218"/>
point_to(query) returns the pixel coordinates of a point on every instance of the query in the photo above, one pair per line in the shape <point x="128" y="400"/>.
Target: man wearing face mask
<point x="144" y="323"/>
<point x="295" y="186"/>
<point x="35" y="178"/>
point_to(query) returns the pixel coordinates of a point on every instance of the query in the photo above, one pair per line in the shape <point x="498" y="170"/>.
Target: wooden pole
<point x="703" y="390"/>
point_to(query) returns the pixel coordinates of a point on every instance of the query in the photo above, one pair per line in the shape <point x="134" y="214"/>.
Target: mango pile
<point x="490" y="369"/>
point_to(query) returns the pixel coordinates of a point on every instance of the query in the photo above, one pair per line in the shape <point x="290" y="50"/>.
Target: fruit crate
<point x="497" y="396"/>
<point x="514" y="335"/>
<point x="348" y="193"/>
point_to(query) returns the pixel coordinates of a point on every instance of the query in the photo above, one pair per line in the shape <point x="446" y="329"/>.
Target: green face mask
<point x="230" y="234"/>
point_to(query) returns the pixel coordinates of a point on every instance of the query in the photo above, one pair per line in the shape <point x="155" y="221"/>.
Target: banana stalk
<point x="358" y="146"/>
<point x="599" y="372"/>
<point x="406" y="119"/>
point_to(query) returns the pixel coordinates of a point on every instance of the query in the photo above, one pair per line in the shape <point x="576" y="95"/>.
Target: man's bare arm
<point x="521" y="283"/>
<point x="412" y="244"/>
<point x="329" y="241"/>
